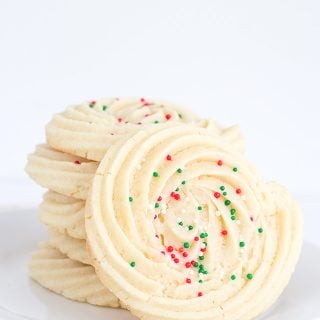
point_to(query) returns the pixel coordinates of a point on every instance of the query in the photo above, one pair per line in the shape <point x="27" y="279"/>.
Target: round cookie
<point x="180" y="226"/>
<point x="63" y="213"/>
<point x="89" y="129"/>
<point x="74" y="248"/>
<point x="74" y="280"/>
<point x="61" y="172"/>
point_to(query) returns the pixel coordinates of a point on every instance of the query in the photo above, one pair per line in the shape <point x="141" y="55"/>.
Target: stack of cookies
<point x="155" y="210"/>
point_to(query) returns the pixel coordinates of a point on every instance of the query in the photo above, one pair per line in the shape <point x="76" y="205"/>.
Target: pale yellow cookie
<point x="72" y="279"/>
<point x="66" y="214"/>
<point x="74" y="248"/>
<point x="66" y="174"/>
<point x="89" y="129"/>
<point x="181" y="226"/>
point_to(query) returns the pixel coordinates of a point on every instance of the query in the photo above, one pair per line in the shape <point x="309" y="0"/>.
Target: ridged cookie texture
<point x="89" y="129"/>
<point x="61" y="172"/>
<point x="63" y="213"/>
<point x="74" y="280"/>
<point x="181" y="226"/>
<point x="72" y="247"/>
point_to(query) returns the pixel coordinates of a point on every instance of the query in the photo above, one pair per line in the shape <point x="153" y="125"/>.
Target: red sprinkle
<point x="169" y="158"/>
<point x="180" y="250"/>
<point x="163" y="253"/>
<point x="188" y="265"/>
<point x="170" y="248"/>
<point x="157" y="236"/>
<point x="177" y="196"/>
<point x="251" y="218"/>
<point x="203" y="249"/>
<point x="196" y="238"/>
<point x="119" y="120"/>
<point x="172" y="194"/>
<point x="188" y="280"/>
<point x="176" y="260"/>
<point x="192" y="262"/>
<point x="77" y="162"/>
<point x="220" y="163"/>
<point x="146" y="115"/>
<point x="168" y="116"/>
<point x="142" y="100"/>
<point x="173" y="255"/>
<point x="155" y="217"/>
<point x="217" y="195"/>
<point x="93" y="102"/>
<point x="159" y="198"/>
<point x="200" y="294"/>
<point x="224" y="232"/>
<point x="185" y="254"/>
<point x="238" y="191"/>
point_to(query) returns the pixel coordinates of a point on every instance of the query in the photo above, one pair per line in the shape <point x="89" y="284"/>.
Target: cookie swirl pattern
<point x="180" y="226"/>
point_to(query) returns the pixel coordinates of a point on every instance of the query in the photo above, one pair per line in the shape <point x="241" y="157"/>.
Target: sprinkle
<point x="235" y="169"/>
<point x="159" y="198"/>
<point x="220" y="163"/>
<point x="188" y="265"/>
<point x="227" y="202"/>
<point x="186" y="245"/>
<point x="242" y="244"/>
<point x="173" y="255"/>
<point x="169" y="158"/>
<point x="180" y="115"/>
<point x="199" y="208"/>
<point x="77" y="162"/>
<point x="177" y="189"/>
<point x="190" y="227"/>
<point x="222" y="188"/>
<point x="238" y="191"/>
<point x="185" y="254"/>
<point x="249" y="276"/>
<point x="200" y="294"/>
<point x="188" y="280"/>
<point x="203" y="235"/>
<point x="119" y="120"/>
<point x="183" y="182"/>
<point x="233" y="218"/>
<point x="170" y="248"/>
<point x="177" y="196"/>
<point x="130" y="199"/>
<point x="142" y="100"/>
<point x="155" y="174"/>
<point x="201" y="257"/>
<point x="225" y="193"/>
<point x="179" y="170"/>
<point x="260" y="230"/>
<point x="180" y="223"/>
<point x="196" y="238"/>
<point x="217" y="195"/>
<point x="176" y="260"/>
<point x="233" y="277"/>
<point x="132" y="264"/>
<point x="224" y="232"/>
<point x="104" y="108"/>
<point x="156" y="205"/>
<point x="156" y="121"/>
<point x="233" y="211"/>
<point x="168" y="116"/>
<point x="196" y="264"/>
<point x="92" y="104"/>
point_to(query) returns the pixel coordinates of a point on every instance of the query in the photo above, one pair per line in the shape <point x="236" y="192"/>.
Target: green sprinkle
<point x="104" y="108"/>
<point x="91" y="105"/>
<point x="180" y="115"/>
<point x="233" y="277"/>
<point x="130" y="199"/>
<point x="235" y="169"/>
<point x="227" y="202"/>
<point x="199" y="208"/>
<point x="233" y="211"/>
<point x="233" y="218"/>
<point x="156" y="121"/>
<point x="222" y="188"/>
<point x="180" y="223"/>
<point x="224" y="193"/>
<point x="186" y="245"/>
<point x="183" y="182"/>
<point x="179" y="170"/>
<point x="132" y="264"/>
<point x="260" y="230"/>
<point x="201" y="257"/>
<point x="196" y="264"/>
<point x="190" y="227"/>
<point x="242" y="244"/>
<point x="156" y="174"/>
<point x="205" y="243"/>
<point x="249" y="276"/>
<point x="177" y="189"/>
<point x="200" y="281"/>
<point x="156" y="205"/>
<point x="203" y="235"/>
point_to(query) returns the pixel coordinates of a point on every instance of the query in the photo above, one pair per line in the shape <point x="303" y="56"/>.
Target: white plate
<point x="21" y="298"/>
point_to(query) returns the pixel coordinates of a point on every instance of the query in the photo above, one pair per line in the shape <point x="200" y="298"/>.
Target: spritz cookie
<point x="181" y="226"/>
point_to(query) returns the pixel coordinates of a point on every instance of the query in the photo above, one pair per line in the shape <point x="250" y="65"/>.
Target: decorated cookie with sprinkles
<point x="181" y="226"/>
<point x="89" y="129"/>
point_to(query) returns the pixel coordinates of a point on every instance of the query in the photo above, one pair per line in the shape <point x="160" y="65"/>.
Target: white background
<point x="256" y="63"/>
